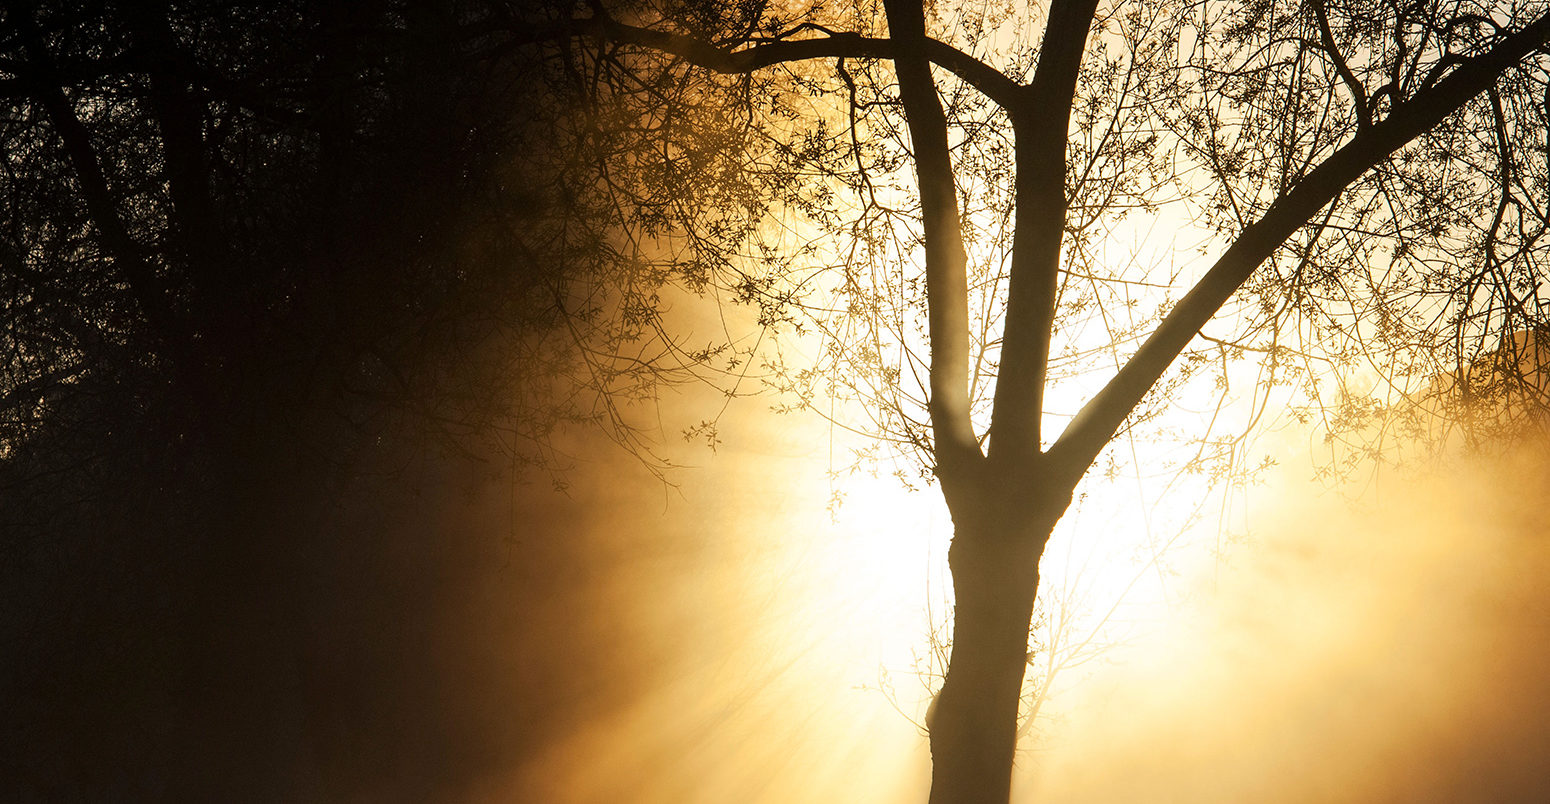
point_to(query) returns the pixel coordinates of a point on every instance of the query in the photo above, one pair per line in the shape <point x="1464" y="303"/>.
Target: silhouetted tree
<point x="1368" y="179"/>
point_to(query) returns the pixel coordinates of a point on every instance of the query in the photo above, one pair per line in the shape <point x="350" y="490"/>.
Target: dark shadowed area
<point x="384" y="645"/>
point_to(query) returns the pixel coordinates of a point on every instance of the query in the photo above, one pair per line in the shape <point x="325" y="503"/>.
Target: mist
<point x="729" y="640"/>
<point x="1390" y="649"/>
<point x="1386" y="647"/>
<point x="480" y="637"/>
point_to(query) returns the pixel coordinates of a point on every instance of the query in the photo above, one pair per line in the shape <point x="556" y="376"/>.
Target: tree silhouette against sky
<point x="1369" y="176"/>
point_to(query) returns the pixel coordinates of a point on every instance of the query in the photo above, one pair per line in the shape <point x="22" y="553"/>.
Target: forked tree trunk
<point x="995" y="568"/>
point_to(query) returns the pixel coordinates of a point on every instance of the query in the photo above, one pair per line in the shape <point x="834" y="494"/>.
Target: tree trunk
<point x="995" y="567"/>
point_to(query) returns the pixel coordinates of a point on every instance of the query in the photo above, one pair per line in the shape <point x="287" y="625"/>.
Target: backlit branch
<point x="947" y="293"/>
<point x="1041" y="118"/>
<point x="1327" y="40"/>
<point x="1101" y="417"/>
<point x="746" y="59"/>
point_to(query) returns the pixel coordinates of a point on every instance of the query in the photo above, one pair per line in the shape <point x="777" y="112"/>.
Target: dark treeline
<point x="224" y="223"/>
<point x="279" y="284"/>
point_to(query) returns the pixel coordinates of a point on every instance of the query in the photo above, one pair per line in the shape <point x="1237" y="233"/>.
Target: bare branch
<point x="992" y="82"/>
<point x="1327" y="38"/>
<point x="1041" y="120"/>
<point x="1097" y="421"/>
<point x="946" y="261"/>
<point x="125" y="252"/>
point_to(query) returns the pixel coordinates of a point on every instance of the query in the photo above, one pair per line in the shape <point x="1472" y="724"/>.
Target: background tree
<point x="1365" y="178"/>
<point x="261" y="264"/>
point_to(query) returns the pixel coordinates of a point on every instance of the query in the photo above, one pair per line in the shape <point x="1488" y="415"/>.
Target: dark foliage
<point x="263" y="267"/>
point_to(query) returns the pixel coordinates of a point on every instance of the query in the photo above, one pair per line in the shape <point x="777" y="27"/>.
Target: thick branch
<point x="1098" y="420"/>
<point x="125" y="252"/>
<point x="178" y="119"/>
<point x="983" y="77"/>
<point x="947" y="289"/>
<point x="1354" y="86"/>
<point x="1041" y="118"/>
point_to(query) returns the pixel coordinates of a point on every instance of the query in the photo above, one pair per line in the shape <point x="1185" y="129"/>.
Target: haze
<point x="725" y="641"/>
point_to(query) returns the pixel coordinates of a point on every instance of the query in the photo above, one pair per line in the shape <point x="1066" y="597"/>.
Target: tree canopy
<point x="1363" y="183"/>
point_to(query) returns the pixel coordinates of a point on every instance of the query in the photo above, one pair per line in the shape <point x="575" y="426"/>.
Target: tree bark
<point x="994" y="561"/>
